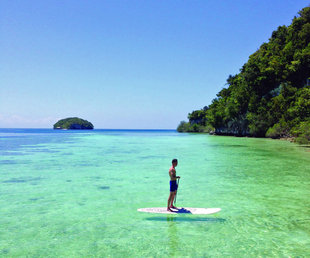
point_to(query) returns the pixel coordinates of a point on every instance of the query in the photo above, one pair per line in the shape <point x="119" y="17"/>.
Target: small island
<point x="73" y="123"/>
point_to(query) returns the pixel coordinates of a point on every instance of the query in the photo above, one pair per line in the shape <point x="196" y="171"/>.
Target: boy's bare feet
<point x="173" y="207"/>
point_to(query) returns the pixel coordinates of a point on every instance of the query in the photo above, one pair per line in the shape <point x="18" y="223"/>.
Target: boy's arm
<point x="172" y="173"/>
<point x="175" y="174"/>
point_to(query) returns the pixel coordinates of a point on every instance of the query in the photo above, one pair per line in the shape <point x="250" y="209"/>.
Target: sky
<point x="130" y="64"/>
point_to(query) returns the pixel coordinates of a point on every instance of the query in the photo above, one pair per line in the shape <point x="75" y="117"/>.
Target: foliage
<point x="302" y="132"/>
<point x="73" y="123"/>
<point x="183" y="127"/>
<point x="198" y="117"/>
<point x="271" y="93"/>
<point x="194" y="128"/>
<point x="279" y="130"/>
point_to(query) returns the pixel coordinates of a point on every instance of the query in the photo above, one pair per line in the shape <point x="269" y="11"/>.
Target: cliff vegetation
<point x="270" y="96"/>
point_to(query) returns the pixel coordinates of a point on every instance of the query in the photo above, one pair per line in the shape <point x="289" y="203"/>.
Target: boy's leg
<point x="169" y="201"/>
<point x="172" y="199"/>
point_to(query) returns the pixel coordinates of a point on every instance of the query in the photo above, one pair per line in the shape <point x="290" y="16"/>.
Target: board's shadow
<point x="186" y="219"/>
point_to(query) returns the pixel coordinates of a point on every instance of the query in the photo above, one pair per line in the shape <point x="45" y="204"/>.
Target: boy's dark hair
<point x="174" y="160"/>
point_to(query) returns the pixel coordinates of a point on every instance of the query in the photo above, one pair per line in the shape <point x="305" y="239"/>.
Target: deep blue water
<point x="11" y="139"/>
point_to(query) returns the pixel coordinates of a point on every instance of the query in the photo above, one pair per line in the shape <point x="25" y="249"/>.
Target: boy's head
<point x="174" y="162"/>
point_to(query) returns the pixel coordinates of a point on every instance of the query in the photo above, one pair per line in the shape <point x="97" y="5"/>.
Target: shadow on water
<point x="186" y="219"/>
<point x="304" y="146"/>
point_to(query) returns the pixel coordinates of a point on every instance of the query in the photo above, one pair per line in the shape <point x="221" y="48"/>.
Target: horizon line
<point x="84" y="129"/>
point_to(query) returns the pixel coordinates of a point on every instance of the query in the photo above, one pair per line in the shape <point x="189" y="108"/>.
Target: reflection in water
<point x="172" y="222"/>
<point x="172" y="235"/>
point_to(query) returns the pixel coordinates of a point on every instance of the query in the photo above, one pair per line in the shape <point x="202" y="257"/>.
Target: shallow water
<point x="73" y="193"/>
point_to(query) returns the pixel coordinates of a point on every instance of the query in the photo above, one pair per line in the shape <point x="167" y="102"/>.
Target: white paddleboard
<point x="163" y="210"/>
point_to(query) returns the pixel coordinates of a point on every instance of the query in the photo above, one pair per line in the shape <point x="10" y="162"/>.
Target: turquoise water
<point x="76" y="194"/>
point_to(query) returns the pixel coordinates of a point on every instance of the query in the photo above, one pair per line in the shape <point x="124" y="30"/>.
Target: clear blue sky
<point x="125" y="64"/>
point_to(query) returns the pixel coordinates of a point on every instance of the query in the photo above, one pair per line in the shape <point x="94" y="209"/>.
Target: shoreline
<point x="291" y="139"/>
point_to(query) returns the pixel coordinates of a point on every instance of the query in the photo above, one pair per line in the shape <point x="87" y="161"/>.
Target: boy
<point x="173" y="185"/>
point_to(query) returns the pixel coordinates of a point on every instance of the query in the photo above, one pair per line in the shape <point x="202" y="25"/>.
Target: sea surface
<point x="76" y="194"/>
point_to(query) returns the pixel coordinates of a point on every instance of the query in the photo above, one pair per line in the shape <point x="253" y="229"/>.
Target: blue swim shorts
<point x="173" y="186"/>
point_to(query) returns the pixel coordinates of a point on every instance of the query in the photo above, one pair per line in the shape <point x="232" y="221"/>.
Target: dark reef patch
<point x="34" y="199"/>
<point x="104" y="187"/>
<point x="151" y="157"/>
<point x="234" y="145"/>
<point x="5" y="251"/>
<point x="7" y="162"/>
<point x="22" y="180"/>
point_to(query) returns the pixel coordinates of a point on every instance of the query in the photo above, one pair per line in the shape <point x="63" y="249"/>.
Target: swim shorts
<point x="173" y="186"/>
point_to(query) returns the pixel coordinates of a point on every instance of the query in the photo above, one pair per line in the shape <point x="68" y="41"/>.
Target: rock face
<point x="73" y="123"/>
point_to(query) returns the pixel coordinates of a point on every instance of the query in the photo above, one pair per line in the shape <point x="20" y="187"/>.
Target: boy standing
<point x="173" y="185"/>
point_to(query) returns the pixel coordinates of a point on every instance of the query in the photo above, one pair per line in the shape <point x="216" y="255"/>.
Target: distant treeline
<point x="271" y="94"/>
<point x="73" y="123"/>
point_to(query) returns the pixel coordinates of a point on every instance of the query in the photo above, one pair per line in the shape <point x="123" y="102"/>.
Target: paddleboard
<point x="163" y="210"/>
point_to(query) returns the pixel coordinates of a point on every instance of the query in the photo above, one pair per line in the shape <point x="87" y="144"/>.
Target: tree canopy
<point x="270" y="96"/>
<point x="73" y="123"/>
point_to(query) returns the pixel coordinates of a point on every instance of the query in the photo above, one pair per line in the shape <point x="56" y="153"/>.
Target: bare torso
<point x="172" y="174"/>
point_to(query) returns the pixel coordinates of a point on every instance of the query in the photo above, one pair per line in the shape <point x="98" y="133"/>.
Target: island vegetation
<point x="270" y="96"/>
<point x="73" y="123"/>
